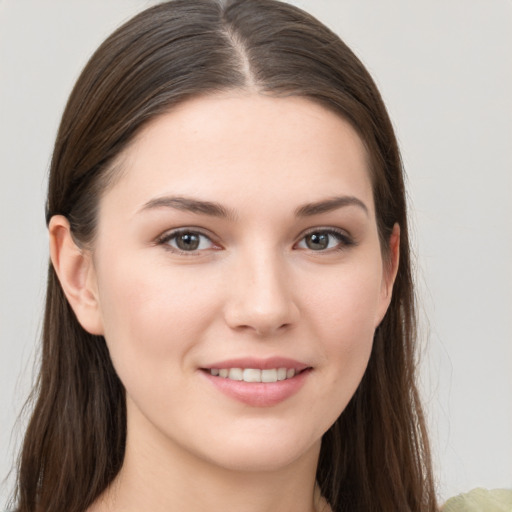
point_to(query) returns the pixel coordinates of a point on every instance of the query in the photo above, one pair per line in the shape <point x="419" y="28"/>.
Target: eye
<point x="324" y="240"/>
<point x="186" y="240"/>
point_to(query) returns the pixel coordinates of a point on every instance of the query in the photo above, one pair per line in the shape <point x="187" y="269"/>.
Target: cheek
<point x="347" y="301"/>
<point x="154" y="316"/>
<point x="154" y="321"/>
<point x="343" y="314"/>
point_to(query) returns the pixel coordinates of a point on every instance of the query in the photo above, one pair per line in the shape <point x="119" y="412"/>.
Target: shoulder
<point x="481" y="500"/>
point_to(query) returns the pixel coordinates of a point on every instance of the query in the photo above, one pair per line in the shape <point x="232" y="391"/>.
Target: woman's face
<point x="240" y="239"/>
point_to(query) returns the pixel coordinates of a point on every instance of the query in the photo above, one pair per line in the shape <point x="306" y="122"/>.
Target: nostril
<point x="261" y="329"/>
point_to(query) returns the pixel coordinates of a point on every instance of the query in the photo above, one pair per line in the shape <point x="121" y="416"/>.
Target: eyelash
<point x="166" y="238"/>
<point x="344" y="240"/>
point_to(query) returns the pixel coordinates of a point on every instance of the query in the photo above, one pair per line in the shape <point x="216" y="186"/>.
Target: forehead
<point x="239" y="146"/>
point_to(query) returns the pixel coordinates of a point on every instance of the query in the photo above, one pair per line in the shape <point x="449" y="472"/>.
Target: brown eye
<point x="323" y="240"/>
<point x="187" y="241"/>
<point x="317" y="241"/>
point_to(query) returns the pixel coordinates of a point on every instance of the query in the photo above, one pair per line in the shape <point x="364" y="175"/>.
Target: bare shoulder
<point x="481" y="500"/>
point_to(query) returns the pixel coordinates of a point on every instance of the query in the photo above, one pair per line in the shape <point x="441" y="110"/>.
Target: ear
<point x="75" y="270"/>
<point x="389" y="273"/>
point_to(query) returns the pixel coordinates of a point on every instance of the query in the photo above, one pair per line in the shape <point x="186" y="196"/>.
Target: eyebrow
<point x="217" y="210"/>
<point x="329" y="205"/>
<point x="190" y="205"/>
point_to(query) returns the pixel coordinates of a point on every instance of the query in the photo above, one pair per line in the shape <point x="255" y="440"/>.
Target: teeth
<point x="235" y="374"/>
<point x="268" y="375"/>
<point x="281" y="373"/>
<point x="254" y="374"/>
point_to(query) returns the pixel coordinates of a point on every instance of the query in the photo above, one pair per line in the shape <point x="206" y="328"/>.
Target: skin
<point x="253" y="288"/>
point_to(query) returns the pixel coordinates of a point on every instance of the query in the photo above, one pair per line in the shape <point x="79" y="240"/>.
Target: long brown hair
<point x="376" y="456"/>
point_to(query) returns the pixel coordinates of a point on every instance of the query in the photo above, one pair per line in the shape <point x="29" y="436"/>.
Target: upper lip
<point x="257" y="363"/>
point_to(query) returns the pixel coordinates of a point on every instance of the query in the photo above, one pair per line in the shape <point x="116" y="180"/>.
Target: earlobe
<point x="75" y="270"/>
<point x="390" y="271"/>
<point x="394" y="257"/>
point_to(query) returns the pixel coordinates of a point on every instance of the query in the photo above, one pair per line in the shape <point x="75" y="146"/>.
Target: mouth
<point x="266" y="375"/>
<point x="258" y="382"/>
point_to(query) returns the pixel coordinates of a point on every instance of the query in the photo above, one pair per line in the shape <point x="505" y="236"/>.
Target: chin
<point x="264" y="453"/>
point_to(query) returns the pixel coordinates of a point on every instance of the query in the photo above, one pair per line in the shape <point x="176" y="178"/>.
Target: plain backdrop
<point x="445" y="71"/>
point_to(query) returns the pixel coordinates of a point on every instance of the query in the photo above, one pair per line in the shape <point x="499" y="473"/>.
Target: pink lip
<point x="259" y="394"/>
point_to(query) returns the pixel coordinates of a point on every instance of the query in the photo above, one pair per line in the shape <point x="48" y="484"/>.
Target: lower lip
<point x="259" y="394"/>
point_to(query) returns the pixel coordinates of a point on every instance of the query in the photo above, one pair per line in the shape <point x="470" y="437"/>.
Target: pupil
<point x="188" y="242"/>
<point x="317" y="241"/>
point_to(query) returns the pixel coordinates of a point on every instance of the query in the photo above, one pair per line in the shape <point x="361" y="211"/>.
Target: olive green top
<point x="481" y="500"/>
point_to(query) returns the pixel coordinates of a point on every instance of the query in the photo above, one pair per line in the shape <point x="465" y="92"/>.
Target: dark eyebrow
<point x="217" y="210"/>
<point x="190" y="205"/>
<point x="328" y="205"/>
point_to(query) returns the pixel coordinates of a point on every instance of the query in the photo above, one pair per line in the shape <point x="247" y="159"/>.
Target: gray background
<point x="444" y="69"/>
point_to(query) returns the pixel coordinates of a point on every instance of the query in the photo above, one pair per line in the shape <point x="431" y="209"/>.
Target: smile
<point x="258" y="382"/>
<point x="254" y="374"/>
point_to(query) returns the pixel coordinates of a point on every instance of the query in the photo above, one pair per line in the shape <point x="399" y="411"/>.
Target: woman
<point x="226" y="202"/>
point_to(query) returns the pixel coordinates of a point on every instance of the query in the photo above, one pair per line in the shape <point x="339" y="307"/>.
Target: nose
<point x="260" y="298"/>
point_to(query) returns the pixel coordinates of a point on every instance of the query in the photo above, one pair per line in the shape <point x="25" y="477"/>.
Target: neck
<point x="164" y="478"/>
